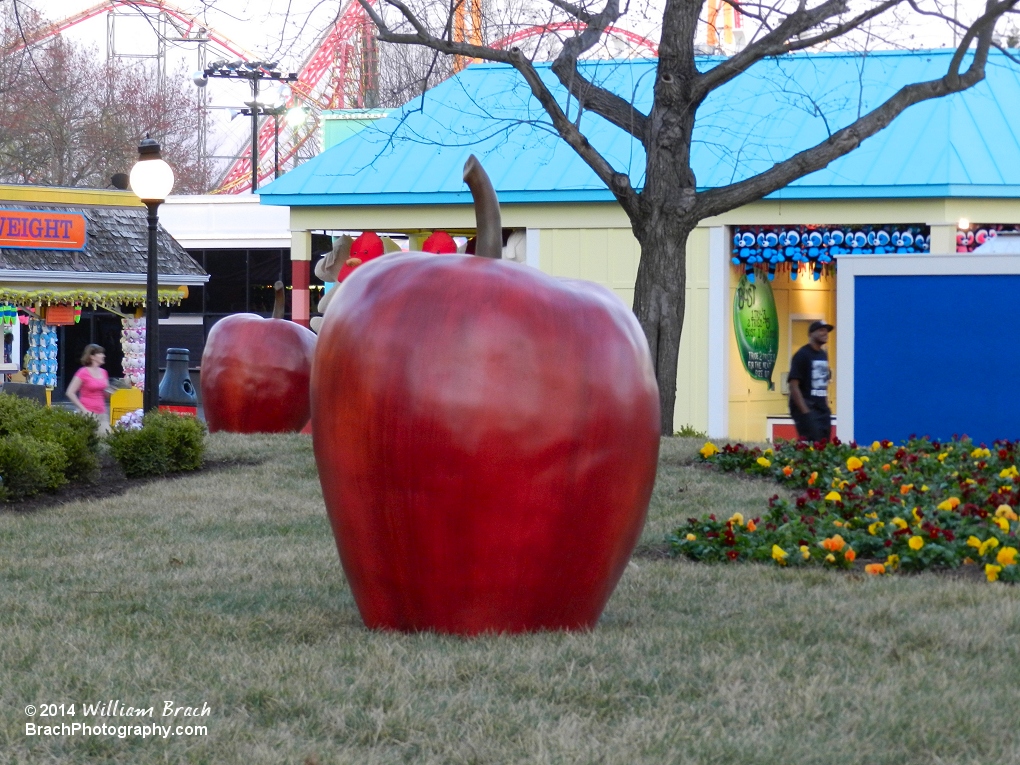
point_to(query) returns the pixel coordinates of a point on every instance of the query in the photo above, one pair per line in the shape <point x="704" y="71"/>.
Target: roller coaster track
<point x="335" y="76"/>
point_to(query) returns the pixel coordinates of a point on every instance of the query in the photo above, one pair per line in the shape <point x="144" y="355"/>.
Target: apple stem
<point x="488" y="224"/>
<point x="281" y="301"/>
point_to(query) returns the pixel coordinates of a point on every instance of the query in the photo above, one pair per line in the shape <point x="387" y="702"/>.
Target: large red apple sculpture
<point x="255" y="373"/>
<point x="486" y="439"/>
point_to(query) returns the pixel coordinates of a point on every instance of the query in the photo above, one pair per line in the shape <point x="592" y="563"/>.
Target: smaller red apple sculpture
<point x="486" y="438"/>
<point x="255" y="373"/>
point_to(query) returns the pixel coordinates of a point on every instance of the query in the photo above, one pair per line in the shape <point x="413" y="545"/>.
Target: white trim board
<point x="718" y="334"/>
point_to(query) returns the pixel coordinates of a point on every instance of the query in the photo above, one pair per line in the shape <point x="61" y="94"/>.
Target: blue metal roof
<point x="960" y="146"/>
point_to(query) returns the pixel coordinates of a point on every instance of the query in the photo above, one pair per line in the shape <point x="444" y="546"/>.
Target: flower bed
<point x="908" y="507"/>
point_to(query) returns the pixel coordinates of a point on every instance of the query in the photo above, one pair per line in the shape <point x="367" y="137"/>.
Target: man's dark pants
<point x="814" y="425"/>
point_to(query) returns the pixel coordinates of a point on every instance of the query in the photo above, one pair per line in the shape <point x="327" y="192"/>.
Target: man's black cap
<point x="819" y="325"/>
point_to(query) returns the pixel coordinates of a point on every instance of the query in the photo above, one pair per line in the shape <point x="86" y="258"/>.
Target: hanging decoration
<point x="95" y="298"/>
<point x="969" y="239"/>
<point x="132" y="343"/>
<point x="8" y="315"/>
<point x="42" y="353"/>
<point x="804" y="250"/>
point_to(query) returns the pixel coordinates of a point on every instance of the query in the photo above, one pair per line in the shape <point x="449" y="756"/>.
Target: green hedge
<point x="42" y="448"/>
<point x="166" y="443"/>
<point x="29" y="465"/>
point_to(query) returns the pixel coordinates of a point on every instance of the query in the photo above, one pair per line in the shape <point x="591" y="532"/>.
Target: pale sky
<point x="287" y="30"/>
<point x="274" y="28"/>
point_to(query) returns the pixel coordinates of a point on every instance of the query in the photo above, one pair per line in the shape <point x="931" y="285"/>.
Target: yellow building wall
<point x="610" y="257"/>
<point x="750" y="400"/>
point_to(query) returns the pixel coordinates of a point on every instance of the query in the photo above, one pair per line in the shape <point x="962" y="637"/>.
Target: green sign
<point x="756" y="326"/>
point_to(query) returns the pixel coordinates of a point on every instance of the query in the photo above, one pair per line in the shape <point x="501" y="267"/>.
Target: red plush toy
<point x="439" y="243"/>
<point x="366" y="247"/>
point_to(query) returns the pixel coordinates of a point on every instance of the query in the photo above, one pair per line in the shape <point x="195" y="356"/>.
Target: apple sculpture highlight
<point x="486" y="438"/>
<point x="256" y="372"/>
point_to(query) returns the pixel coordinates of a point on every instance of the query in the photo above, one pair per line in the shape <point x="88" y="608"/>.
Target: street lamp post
<point x="255" y="108"/>
<point x="152" y="180"/>
<point x="255" y="72"/>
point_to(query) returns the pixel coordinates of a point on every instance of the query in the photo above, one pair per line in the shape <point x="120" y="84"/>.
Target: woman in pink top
<point x="88" y="387"/>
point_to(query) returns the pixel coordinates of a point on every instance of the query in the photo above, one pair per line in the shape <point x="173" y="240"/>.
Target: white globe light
<point x="297" y="116"/>
<point x="152" y="179"/>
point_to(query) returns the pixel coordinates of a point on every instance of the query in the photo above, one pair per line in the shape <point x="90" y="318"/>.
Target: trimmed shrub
<point x="30" y="465"/>
<point x="75" y="434"/>
<point x="166" y="443"/>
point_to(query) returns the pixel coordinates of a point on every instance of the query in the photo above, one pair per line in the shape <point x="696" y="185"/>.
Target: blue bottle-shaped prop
<point x="176" y="391"/>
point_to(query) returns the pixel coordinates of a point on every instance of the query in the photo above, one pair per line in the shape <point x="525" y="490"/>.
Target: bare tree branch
<point x="617" y="182"/>
<point x="603" y="102"/>
<point x="724" y="198"/>
<point x="782" y="40"/>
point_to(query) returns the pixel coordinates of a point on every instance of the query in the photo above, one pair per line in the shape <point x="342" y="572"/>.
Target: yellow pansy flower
<point x="779" y="555"/>
<point x="974" y="542"/>
<point x="949" y="504"/>
<point x="992" y="571"/>
<point x="805" y="553"/>
<point x="1007" y="556"/>
<point x="872" y="514"/>
<point x="764" y="462"/>
<point x="1010" y="472"/>
<point x="708" y="450"/>
<point x="916" y="512"/>
<point x="691" y="537"/>
<point x="830" y="558"/>
<point x="1002" y="523"/>
<point x="874" y="527"/>
<point x="899" y="522"/>
<point x="893" y="561"/>
<point x="924" y="487"/>
<point x="833" y="496"/>
<point x="854" y="463"/>
<point x="875" y="446"/>
<point x="915" y="543"/>
<point x="989" y="544"/>
<point x="768" y="452"/>
<point x="1005" y="511"/>
<point x="942" y="457"/>
<point x="737" y="518"/>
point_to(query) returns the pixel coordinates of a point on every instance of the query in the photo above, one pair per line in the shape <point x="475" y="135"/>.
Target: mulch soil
<point x="109" y="481"/>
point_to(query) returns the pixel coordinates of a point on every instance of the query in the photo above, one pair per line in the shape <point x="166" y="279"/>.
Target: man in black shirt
<point x="809" y="385"/>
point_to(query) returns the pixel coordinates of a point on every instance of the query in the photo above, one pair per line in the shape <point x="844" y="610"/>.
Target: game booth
<point x="72" y="272"/>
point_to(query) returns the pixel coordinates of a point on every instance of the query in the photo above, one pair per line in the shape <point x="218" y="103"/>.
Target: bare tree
<point x="669" y="206"/>
<point x="70" y="118"/>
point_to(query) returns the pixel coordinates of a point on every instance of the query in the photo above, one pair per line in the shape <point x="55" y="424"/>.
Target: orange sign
<point x="60" y="314"/>
<point x="42" y="230"/>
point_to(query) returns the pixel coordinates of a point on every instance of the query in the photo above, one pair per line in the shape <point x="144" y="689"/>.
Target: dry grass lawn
<point x="224" y="588"/>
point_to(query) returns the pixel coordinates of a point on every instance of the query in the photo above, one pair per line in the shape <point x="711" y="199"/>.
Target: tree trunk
<point x="659" y="301"/>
